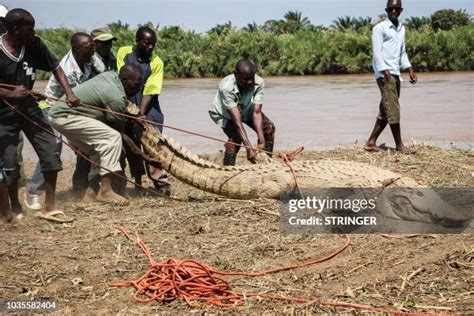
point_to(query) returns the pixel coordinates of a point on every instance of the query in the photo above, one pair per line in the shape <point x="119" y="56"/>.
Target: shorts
<point x="230" y="129"/>
<point x="43" y="143"/>
<point x="389" y="105"/>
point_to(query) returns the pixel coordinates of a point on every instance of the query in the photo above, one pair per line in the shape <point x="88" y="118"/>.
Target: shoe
<point x="162" y="187"/>
<point x="32" y="201"/>
<point x="163" y="191"/>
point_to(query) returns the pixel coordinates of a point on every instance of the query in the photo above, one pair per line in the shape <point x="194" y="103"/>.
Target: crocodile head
<point x="419" y="205"/>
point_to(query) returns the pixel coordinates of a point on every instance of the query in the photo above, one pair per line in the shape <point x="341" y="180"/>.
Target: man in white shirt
<point x="389" y="56"/>
<point x="77" y="65"/>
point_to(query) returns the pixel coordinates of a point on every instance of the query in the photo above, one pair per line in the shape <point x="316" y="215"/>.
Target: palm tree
<point x="362" y="22"/>
<point x="343" y="23"/>
<point x="118" y="26"/>
<point x="296" y="17"/>
<point x="274" y="26"/>
<point x="415" y="23"/>
<point x="221" y="29"/>
<point x="349" y="23"/>
<point x="294" y="22"/>
<point x="252" y="27"/>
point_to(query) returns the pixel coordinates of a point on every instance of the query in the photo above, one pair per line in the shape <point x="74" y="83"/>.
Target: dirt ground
<point x="73" y="264"/>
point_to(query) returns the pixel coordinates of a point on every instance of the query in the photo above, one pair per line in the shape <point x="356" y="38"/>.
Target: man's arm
<point x="379" y="61"/>
<point x="405" y="64"/>
<point x="258" y="124"/>
<point x="20" y="92"/>
<point x="237" y="119"/>
<point x="413" y="76"/>
<point x="130" y="145"/>
<point x="153" y="85"/>
<point x="61" y="78"/>
<point x="145" y="104"/>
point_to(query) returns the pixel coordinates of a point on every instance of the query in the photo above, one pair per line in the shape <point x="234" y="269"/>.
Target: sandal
<point x="55" y="216"/>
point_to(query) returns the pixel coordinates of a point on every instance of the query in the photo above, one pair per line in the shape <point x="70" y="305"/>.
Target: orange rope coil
<point x="194" y="281"/>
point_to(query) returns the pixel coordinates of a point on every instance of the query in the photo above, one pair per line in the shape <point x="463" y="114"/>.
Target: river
<point x="321" y="112"/>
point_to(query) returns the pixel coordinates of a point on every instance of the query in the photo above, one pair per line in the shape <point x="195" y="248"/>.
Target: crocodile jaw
<point x="419" y="205"/>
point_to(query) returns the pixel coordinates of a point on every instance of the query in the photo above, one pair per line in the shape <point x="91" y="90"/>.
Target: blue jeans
<point x="36" y="184"/>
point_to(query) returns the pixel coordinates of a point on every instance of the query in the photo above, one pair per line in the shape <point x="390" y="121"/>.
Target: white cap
<point x="3" y="11"/>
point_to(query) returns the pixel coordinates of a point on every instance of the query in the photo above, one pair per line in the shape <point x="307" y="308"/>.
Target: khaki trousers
<point x="99" y="141"/>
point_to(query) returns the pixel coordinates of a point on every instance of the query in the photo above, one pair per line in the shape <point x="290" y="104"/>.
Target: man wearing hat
<point x="103" y="40"/>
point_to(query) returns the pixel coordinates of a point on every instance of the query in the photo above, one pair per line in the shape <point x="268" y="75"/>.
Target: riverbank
<point x="73" y="264"/>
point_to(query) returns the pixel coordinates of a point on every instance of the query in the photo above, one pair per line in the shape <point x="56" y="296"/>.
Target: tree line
<point x="293" y="46"/>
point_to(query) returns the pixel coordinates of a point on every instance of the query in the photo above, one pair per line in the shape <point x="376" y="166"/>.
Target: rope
<point x="36" y="94"/>
<point x="81" y="154"/>
<point x="286" y="157"/>
<point x="195" y="282"/>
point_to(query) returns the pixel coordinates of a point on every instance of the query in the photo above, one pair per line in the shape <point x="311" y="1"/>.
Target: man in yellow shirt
<point x="147" y="98"/>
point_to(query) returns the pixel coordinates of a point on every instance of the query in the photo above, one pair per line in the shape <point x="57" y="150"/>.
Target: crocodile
<point x="275" y="180"/>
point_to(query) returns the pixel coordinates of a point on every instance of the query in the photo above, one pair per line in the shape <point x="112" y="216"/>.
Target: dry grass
<point x="41" y="260"/>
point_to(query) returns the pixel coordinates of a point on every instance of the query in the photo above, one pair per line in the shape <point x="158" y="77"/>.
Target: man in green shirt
<point x="239" y="100"/>
<point x="97" y="133"/>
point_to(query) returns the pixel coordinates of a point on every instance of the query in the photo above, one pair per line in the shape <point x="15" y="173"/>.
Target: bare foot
<point x="90" y="196"/>
<point x="406" y="150"/>
<point x="111" y="197"/>
<point x="8" y="215"/>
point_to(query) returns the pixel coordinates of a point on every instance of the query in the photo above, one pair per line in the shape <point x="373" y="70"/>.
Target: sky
<point x="202" y="15"/>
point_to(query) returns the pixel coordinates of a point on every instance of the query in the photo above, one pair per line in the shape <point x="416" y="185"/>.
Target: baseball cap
<point x="102" y="34"/>
<point x="3" y="11"/>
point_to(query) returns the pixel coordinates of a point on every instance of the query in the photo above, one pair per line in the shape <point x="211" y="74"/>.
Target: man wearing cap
<point x="103" y="40"/>
<point x="77" y="66"/>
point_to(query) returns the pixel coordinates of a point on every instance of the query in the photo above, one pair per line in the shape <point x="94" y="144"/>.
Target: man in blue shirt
<point x="389" y="56"/>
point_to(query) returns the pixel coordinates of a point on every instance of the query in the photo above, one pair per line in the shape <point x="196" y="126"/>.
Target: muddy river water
<point x="321" y="112"/>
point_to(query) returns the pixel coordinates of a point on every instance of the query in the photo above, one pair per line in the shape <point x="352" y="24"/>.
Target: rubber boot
<point x="269" y="147"/>
<point x="229" y="159"/>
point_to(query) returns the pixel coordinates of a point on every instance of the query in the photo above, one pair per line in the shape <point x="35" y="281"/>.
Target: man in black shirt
<point x="21" y="54"/>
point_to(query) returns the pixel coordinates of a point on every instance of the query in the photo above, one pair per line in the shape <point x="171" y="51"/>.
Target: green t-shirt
<point x="105" y="91"/>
